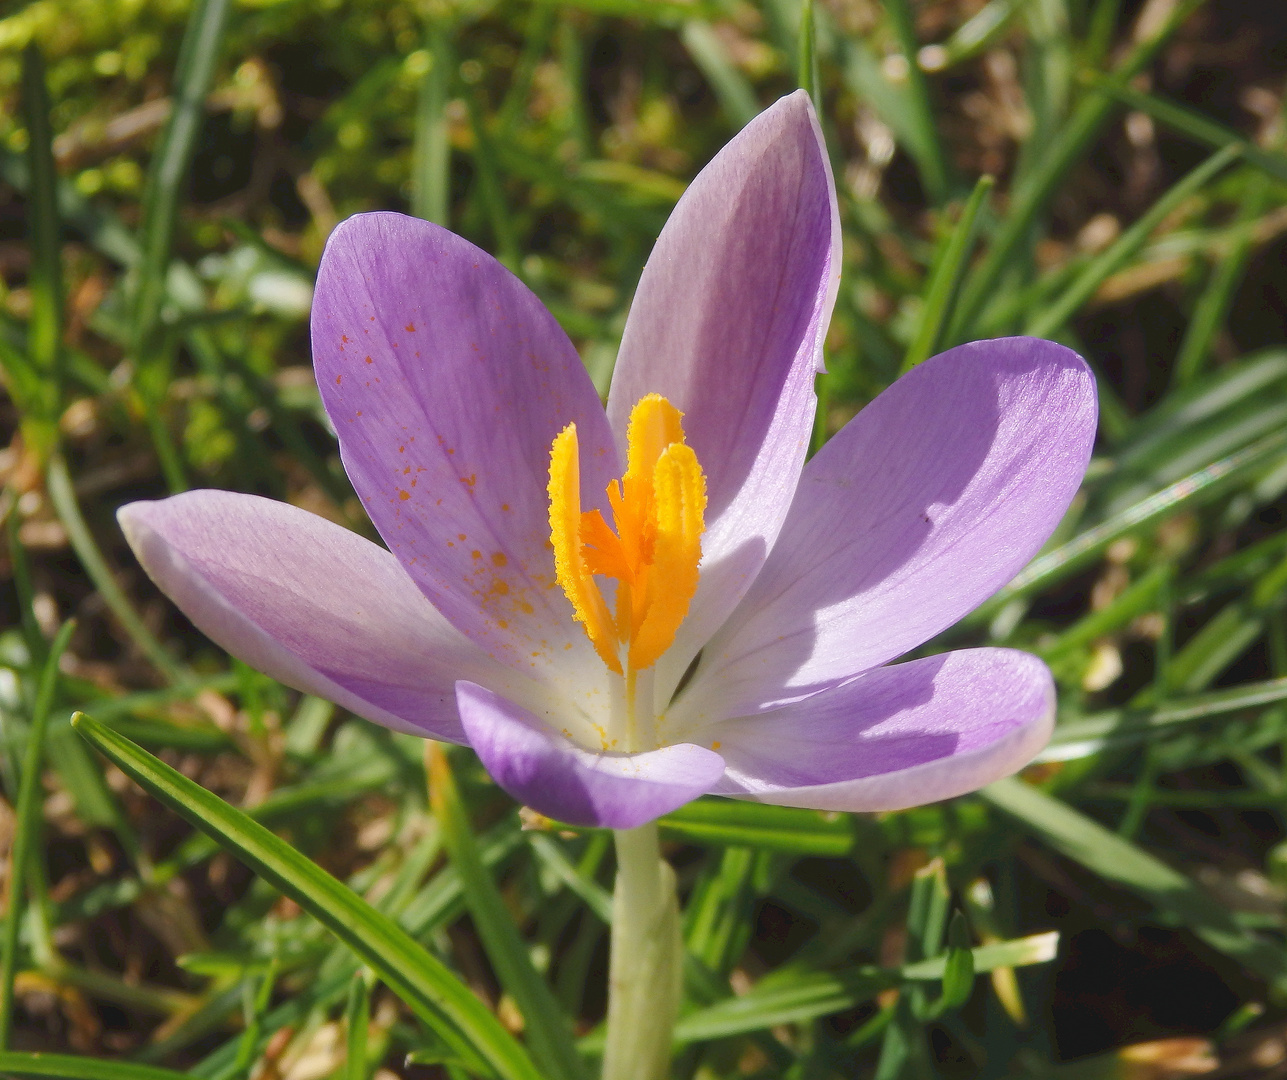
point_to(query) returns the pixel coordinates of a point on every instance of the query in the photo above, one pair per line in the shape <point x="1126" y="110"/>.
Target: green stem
<point x="807" y="56"/>
<point x="644" y="972"/>
<point x="431" y="178"/>
<point x="26" y="829"/>
<point x="62" y="494"/>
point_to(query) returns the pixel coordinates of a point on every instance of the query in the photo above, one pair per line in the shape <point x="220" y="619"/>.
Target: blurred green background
<point x="1108" y="173"/>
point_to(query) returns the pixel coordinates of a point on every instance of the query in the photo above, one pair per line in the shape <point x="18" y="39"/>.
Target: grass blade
<point x="735" y="95"/>
<point x="20" y="572"/>
<point x="169" y="168"/>
<point x="69" y="1067"/>
<point x="1119" y="861"/>
<point x="536" y="40"/>
<point x="1020" y="952"/>
<point x="27" y="813"/>
<point x="551" y="855"/>
<point x="945" y="278"/>
<point x="718" y="911"/>
<point x="794" y="997"/>
<point x="807" y="74"/>
<point x="1137" y="598"/>
<point x="423" y="982"/>
<point x="1068" y="148"/>
<point x="761" y="826"/>
<point x="490" y="193"/>
<point x="972" y="37"/>
<point x="193" y="77"/>
<point x="357" y="1021"/>
<point x="1213" y="304"/>
<point x="431" y="178"/>
<point x="925" y="145"/>
<point x="1193" y="124"/>
<point x="1125" y="727"/>
<point x="1115" y="256"/>
<point x="666" y="12"/>
<point x="45" y="327"/>
<point x="549" y="1031"/>
<point x="63" y="497"/>
<point x="1165" y="428"/>
<point x="785" y="1001"/>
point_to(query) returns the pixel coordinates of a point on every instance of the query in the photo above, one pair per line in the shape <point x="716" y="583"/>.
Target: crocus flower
<point x="621" y="610"/>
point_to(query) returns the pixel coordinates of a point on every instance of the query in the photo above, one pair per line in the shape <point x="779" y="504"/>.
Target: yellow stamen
<point x="570" y="566"/>
<point x="658" y="510"/>
<point x="679" y="498"/>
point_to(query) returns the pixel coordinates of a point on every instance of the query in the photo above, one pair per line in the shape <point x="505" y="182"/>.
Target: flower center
<point x="658" y="511"/>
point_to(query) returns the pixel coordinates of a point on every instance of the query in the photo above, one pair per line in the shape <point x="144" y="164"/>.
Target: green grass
<point x="235" y="878"/>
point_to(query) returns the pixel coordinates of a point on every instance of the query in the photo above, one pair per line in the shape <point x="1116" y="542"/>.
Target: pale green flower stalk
<point x="645" y="974"/>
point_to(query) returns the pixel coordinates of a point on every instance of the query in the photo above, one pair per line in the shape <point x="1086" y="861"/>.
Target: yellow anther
<point x="570" y="566"/>
<point x="658" y="510"/>
<point x="679" y="500"/>
<point x="654" y="424"/>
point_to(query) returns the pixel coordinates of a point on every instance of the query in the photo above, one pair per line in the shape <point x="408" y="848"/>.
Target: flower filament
<point x="658" y="510"/>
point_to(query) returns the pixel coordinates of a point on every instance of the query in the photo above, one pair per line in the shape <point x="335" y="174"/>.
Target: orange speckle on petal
<point x="411" y="328"/>
<point x="498" y="558"/>
<point x="369" y="360"/>
<point x="475" y="554"/>
<point x="716" y="745"/>
<point x="344" y="338"/>
<point x="337" y="379"/>
<point x="460" y="536"/>
<point x="469" y="480"/>
<point x="403" y="495"/>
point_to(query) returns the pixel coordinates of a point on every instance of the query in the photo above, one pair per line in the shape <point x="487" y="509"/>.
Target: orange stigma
<point x="658" y="510"/>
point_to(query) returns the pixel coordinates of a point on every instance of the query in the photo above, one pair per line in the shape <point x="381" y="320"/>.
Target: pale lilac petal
<point x="895" y="737"/>
<point x="727" y="323"/>
<point x="922" y="507"/>
<point x="309" y="603"/>
<point x="447" y="381"/>
<point x="553" y="775"/>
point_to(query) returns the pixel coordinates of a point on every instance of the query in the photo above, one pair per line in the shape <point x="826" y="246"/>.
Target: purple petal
<point x="927" y="502"/>
<point x="447" y="382"/>
<point x="560" y="779"/>
<point x="309" y="603"/>
<point x="895" y="737"/>
<point x="728" y="323"/>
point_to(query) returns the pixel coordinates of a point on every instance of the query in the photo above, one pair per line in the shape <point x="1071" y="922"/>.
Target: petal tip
<point x="136" y="521"/>
<point x="900" y="736"/>
<point x="797" y="101"/>
<point x="358" y="233"/>
<point x="128" y="515"/>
